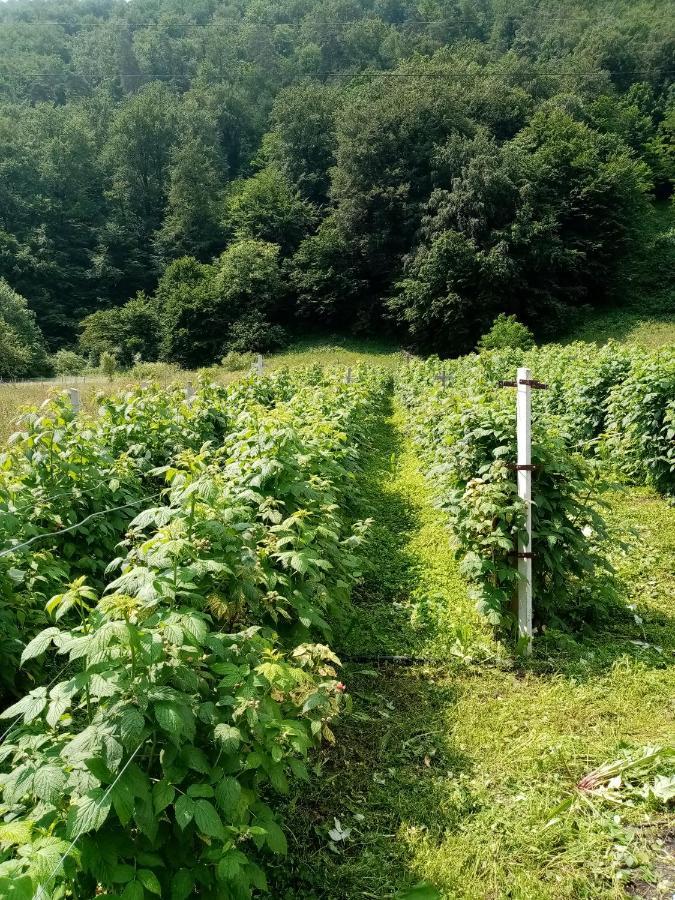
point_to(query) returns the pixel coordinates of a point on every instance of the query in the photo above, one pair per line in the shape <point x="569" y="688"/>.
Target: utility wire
<point x="49" y="534"/>
<point x="41" y="893"/>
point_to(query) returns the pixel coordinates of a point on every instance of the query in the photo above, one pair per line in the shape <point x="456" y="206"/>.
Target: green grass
<point x="628" y="326"/>
<point x="449" y="772"/>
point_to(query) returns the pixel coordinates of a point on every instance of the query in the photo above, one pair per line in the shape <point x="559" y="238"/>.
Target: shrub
<point x="67" y="362"/>
<point x="154" y="371"/>
<point x="108" y="364"/>
<point x="124" y="331"/>
<point x="640" y="439"/>
<point x="507" y="331"/>
<point x="253" y="333"/>
<point x="23" y="351"/>
<point x="236" y="362"/>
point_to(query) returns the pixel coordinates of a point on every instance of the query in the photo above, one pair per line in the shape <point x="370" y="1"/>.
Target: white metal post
<point x="259" y="364"/>
<point x="189" y="392"/>
<point x="524" y="434"/>
<point x="74" y="399"/>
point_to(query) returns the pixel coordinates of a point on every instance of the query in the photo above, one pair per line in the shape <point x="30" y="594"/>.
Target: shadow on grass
<point x="382" y="780"/>
<point x="378" y="621"/>
<point x="392" y="753"/>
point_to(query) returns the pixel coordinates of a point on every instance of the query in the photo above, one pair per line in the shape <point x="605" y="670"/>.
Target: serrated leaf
<point x="200" y="790"/>
<point x="49" y="783"/>
<point x="56" y="709"/>
<point x="181" y="885"/>
<point x="185" y="810"/>
<point x="228" y="736"/>
<point x="208" y="820"/>
<point x="29" y="706"/>
<point x="275" y="838"/>
<point x="15" y="832"/>
<point x="230" y="864"/>
<point x="149" y="881"/>
<point x="131" y="724"/>
<point x="123" y="800"/>
<point x="88" y="813"/>
<point x="133" y="891"/>
<point x="39" y="644"/>
<point x="228" y="794"/>
<point x="163" y="795"/>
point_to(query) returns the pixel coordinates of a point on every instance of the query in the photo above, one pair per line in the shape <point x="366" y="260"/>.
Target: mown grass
<point x="450" y="772"/>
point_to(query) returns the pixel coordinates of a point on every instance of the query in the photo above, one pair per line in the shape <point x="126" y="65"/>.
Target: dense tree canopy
<point x="362" y="164"/>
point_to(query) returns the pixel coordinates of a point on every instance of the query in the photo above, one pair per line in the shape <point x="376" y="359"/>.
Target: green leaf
<point x="275" y="838"/>
<point x="88" y="813"/>
<point x="39" y="644"/>
<point x="131" y="724"/>
<point x="170" y="718"/>
<point x="185" y="810"/>
<point x="57" y="708"/>
<point x="123" y="801"/>
<point x="228" y="794"/>
<point x="162" y="795"/>
<point x="49" y="783"/>
<point x="17" y="888"/>
<point x="133" y="891"/>
<point x="228" y="735"/>
<point x="29" y="707"/>
<point x="200" y="790"/>
<point x="149" y="881"/>
<point x="230" y="864"/>
<point x="181" y="885"/>
<point x="208" y="820"/>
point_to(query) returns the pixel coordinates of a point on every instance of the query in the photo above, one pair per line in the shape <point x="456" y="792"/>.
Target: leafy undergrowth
<point x="462" y="773"/>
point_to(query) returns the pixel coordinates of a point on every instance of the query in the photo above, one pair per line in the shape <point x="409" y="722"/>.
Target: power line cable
<point x="41" y="894"/>
<point x="49" y="534"/>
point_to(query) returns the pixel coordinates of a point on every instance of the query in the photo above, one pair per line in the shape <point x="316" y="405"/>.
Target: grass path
<point x="447" y="773"/>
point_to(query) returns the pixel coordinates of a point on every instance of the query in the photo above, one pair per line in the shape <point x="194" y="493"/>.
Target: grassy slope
<point x="645" y="315"/>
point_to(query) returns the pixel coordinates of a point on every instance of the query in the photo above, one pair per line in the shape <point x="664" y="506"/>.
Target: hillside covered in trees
<point x="179" y="179"/>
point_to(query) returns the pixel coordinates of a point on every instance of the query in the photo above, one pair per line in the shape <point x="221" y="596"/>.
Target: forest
<point x="182" y="180"/>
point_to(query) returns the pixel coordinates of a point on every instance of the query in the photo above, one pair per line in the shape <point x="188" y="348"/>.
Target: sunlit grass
<point x="450" y="772"/>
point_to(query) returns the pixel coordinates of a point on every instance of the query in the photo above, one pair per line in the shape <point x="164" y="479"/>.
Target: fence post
<point x="189" y="392"/>
<point x="524" y="474"/>
<point x="259" y="365"/>
<point x="348" y="377"/>
<point x="74" y="399"/>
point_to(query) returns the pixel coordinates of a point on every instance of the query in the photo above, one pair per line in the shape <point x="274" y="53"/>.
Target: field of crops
<point x="181" y="575"/>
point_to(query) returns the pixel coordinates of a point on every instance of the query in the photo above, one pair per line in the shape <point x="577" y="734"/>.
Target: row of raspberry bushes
<point x="465" y="431"/>
<point x="617" y="402"/>
<point x="149" y="768"/>
<point x="60" y="469"/>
